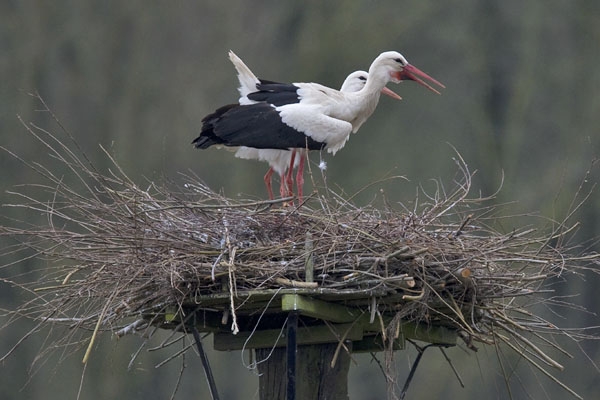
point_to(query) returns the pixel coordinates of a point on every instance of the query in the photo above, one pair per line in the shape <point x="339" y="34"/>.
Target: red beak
<point x="415" y="74"/>
<point x="390" y="93"/>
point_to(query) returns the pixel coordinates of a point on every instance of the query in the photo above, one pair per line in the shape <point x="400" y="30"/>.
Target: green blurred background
<point x="522" y="104"/>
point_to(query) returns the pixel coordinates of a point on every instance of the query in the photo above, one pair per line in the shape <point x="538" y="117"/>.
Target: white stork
<point x="280" y="160"/>
<point x="304" y="115"/>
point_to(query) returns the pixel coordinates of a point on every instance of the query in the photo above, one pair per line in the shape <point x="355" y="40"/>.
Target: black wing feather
<point x="257" y="125"/>
<point x="278" y="94"/>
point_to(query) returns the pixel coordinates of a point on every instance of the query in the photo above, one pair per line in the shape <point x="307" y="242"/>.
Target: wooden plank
<point x="429" y="334"/>
<point x="318" y="308"/>
<point x="276" y="337"/>
<point x="411" y="330"/>
<point x="374" y="343"/>
<point x="251" y="296"/>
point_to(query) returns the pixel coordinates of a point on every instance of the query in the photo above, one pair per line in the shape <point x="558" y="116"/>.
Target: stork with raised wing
<point x="304" y="115"/>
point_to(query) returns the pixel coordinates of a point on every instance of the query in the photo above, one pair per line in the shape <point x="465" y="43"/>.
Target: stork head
<point x="399" y="70"/>
<point x="358" y="79"/>
<point x="355" y="81"/>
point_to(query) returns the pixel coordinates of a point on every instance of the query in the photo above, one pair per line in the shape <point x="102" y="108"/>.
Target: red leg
<point x="267" y="179"/>
<point x="283" y="191"/>
<point x="289" y="180"/>
<point x="300" y="176"/>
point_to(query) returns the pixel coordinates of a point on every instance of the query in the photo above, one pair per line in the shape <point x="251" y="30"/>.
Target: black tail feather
<point x="208" y="137"/>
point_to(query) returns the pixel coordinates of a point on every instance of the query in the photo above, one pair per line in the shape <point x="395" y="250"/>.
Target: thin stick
<point x="95" y="333"/>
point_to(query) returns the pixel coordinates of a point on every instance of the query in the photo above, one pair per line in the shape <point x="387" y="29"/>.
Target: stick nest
<point x="119" y="252"/>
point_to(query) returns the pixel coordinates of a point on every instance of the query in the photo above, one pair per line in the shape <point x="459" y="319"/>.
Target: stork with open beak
<point x="282" y="161"/>
<point x="303" y="115"/>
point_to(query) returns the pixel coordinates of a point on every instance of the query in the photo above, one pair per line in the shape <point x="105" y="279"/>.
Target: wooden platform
<point x="325" y="316"/>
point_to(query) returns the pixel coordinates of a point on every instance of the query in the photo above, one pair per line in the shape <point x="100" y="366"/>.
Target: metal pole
<point x="292" y="348"/>
<point x="207" y="370"/>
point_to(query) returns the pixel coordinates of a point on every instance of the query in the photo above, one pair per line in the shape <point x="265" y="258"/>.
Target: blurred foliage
<point x="522" y="104"/>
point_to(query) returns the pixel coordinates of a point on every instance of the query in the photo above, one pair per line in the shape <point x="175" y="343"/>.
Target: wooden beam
<point x="338" y="313"/>
<point x="277" y="338"/>
<point x="318" y="308"/>
<point x="374" y="343"/>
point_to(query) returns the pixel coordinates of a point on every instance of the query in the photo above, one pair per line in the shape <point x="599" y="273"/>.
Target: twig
<point x="296" y="284"/>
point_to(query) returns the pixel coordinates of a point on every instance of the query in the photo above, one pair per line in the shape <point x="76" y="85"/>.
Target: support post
<point x="316" y="378"/>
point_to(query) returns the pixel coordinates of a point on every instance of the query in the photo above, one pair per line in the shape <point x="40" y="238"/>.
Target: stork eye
<point x="362" y="78"/>
<point x="399" y="60"/>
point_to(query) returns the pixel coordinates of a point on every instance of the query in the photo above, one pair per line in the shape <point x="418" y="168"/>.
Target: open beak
<point x="390" y="93"/>
<point x="415" y="74"/>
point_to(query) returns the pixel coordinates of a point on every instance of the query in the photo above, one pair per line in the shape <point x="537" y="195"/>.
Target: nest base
<point x="261" y="325"/>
